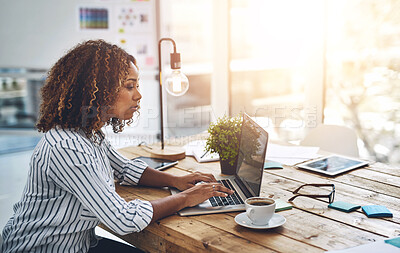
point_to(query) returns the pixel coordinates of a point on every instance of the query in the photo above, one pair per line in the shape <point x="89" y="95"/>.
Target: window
<point x="292" y="64"/>
<point x="363" y="64"/>
<point x="189" y="23"/>
<point x="276" y="63"/>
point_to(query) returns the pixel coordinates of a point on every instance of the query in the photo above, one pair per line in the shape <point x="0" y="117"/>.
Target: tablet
<point x="156" y="163"/>
<point x="333" y="165"/>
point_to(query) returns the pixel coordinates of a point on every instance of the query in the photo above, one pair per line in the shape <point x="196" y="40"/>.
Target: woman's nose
<point x="137" y="96"/>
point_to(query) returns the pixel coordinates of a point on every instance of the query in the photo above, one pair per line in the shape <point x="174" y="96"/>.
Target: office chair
<point x="336" y="139"/>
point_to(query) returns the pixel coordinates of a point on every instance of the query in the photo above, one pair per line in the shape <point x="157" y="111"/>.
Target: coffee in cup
<point x="260" y="210"/>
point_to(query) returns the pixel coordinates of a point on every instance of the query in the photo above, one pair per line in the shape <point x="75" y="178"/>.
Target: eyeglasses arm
<point x="309" y="195"/>
<point x="317" y="185"/>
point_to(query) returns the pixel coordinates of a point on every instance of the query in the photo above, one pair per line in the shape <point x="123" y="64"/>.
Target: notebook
<point x="247" y="180"/>
<point x="197" y="149"/>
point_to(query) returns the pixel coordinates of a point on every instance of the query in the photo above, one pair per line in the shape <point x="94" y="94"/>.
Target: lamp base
<point x="169" y="152"/>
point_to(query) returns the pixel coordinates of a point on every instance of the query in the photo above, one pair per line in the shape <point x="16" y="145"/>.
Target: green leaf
<point x="223" y="137"/>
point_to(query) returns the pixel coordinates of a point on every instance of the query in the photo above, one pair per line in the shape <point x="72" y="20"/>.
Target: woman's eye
<point x="132" y="85"/>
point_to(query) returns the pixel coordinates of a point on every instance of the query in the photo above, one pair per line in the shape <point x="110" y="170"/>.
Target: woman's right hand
<point x="201" y="192"/>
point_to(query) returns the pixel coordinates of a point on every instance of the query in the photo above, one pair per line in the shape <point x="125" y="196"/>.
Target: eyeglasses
<point x="330" y="196"/>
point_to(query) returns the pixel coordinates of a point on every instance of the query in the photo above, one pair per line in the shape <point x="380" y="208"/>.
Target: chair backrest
<point x="336" y="139"/>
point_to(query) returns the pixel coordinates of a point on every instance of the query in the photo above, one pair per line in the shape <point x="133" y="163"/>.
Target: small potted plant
<point x="223" y="139"/>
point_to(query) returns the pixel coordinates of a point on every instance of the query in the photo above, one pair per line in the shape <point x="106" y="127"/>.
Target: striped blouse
<point x="69" y="191"/>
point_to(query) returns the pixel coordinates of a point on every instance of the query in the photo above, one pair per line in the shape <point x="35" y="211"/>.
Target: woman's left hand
<point x="185" y="182"/>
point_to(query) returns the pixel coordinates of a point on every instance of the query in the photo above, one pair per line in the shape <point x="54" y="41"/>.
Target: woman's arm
<point x="156" y="178"/>
<point x="125" y="171"/>
<point x="75" y="169"/>
<point x="190" y="197"/>
<point x="132" y="172"/>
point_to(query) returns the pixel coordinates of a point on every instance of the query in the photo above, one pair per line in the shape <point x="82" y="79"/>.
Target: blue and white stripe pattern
<point x="69" y="191"/>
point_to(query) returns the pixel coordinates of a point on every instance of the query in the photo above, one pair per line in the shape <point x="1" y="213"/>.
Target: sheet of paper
<point x="203" y="157"/>
<point x="197" y="149"/>
<point x="290" y="161"/>
<point x="374" y="247"/>
<point x="288" y="155"/>
<point x="291" y="155"/>
<point x="194" y="145"/>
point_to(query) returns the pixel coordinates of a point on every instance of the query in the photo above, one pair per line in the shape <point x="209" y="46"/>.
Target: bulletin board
<point x="37" y="33"/>
<point x="132" y="23"/>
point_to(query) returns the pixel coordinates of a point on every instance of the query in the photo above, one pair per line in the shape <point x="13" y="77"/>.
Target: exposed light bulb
<point x="177" y="83"/>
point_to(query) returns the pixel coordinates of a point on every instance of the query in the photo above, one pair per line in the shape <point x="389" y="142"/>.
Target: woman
<point x="70" y="187"/>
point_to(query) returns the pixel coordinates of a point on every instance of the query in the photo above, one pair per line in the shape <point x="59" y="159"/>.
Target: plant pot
<point x="227" y="168"/>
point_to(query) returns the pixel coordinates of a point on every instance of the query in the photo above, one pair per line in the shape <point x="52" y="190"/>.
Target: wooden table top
<point x="310" y="226"/>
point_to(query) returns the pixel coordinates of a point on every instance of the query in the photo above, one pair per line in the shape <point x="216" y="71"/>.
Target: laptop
<point x="247" y="180"/>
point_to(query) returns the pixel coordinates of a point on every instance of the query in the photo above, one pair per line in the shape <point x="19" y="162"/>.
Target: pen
<point x="204" y="154"/>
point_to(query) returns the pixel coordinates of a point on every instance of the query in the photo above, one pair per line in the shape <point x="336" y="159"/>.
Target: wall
<point x="35" y="34"/>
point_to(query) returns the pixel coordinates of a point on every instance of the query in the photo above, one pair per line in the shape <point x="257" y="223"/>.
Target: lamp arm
<point x="160" y="82"/>
<point x="168" y="39"/>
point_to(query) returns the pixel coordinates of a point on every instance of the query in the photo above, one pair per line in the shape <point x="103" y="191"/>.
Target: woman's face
<point x="128" y="97"/>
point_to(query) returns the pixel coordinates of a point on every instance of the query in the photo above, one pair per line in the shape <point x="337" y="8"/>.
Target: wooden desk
<point x="310" y="225"/>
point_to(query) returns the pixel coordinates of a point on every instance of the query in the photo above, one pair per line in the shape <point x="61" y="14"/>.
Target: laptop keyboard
<point x="233" y="199"/>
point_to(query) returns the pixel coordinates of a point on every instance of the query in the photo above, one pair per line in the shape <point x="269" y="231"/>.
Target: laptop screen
<point x="252" y="149"/>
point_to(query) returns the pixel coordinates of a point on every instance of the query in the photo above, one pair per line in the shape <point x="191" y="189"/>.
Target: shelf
<point x="12" y="94"/>
<point x="38" y="76"/>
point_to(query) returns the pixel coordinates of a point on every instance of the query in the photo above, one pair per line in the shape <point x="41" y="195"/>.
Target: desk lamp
<point x="176" y="84"/>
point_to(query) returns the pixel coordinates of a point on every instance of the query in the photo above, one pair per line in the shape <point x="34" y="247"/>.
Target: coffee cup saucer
<point x="276" y="221"/>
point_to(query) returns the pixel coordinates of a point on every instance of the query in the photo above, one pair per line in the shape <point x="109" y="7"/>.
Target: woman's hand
<point x="185" y="182"/>
<point x="201" y="192"/>
<point x="193" y="192"/>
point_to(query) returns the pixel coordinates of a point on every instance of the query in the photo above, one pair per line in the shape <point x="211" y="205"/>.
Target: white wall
<point x="35" y="34"/>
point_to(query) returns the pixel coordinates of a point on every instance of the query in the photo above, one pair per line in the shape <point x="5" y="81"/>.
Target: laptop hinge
<point x="243" y="188"/>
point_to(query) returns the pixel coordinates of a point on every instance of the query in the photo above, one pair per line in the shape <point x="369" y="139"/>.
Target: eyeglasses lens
<point x="323" y="191"/>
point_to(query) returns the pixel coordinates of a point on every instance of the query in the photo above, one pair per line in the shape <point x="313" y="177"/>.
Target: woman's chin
<point x="129" y="116"/>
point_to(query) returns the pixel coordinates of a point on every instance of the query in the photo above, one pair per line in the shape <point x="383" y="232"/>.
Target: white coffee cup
<point x="260" y="210"/>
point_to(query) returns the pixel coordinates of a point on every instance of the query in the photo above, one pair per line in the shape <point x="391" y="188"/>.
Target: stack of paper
<point x="290" y="155"/>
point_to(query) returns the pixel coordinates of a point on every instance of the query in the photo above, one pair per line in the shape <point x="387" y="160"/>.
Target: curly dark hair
<point x="82" y="86"/>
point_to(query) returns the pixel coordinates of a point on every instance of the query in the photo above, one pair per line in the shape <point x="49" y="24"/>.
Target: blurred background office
<point x="290" y="64"/>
